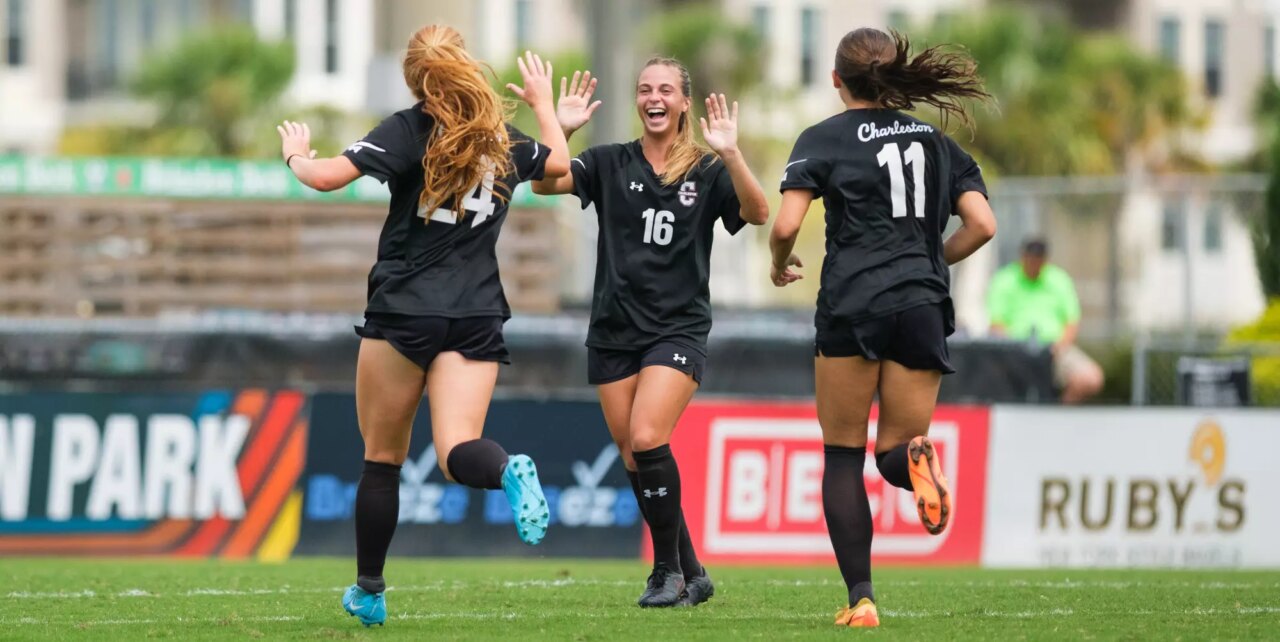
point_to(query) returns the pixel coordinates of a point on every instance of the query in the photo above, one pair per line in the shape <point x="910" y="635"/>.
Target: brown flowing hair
<point x="469" y="138"/>
<point x="686" y="153"/>
<point x="877" y="67"/>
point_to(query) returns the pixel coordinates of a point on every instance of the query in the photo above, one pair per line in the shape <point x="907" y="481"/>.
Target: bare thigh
<point x="458" y="393"/>
<point x="388" y="391"/>
<point x="616" y="399"/>
<point x="845" y="387"/>
<point x="907" y="400"/>
<point x="662" y="393"/>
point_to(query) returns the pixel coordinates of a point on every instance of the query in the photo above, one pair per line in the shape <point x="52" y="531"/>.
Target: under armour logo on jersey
<point x="637" y="186"/>
<point x="661" y="492"/>
<point x="688" y="193"/>
<point x="677" y="357"/>
<point x="356" y="147"/>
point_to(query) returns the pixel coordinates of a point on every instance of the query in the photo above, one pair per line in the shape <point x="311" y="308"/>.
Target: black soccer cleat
<point x="664" y="589"/>
<point x="697" y="589"/>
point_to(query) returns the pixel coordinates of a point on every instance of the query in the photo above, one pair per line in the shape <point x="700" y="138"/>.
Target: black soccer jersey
<point x="888" y="182"/>
<point x="429" y="262"/>
<point x="653" y="257"/>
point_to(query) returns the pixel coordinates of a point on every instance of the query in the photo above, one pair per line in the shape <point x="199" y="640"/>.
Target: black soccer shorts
<point x="606" y="365"/>
<point x="421" y="338"/>
<point x="915" y="337"/>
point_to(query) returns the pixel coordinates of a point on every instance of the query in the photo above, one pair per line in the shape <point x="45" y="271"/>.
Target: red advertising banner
<point x="751" y="479"/>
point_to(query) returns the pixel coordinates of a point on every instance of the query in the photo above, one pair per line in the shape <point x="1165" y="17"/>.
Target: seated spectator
<point x="1033" y="300"/>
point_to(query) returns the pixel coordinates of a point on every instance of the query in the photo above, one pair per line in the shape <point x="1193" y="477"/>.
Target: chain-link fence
<point x="1148" y="254"/>
<point x="1205" y="373"/>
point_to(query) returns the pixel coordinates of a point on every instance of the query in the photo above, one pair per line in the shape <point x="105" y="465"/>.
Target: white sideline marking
<point x="489" y="615"/>
<point x="221" y="592"/>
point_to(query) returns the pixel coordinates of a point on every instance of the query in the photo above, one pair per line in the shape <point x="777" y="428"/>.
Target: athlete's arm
<point x="538" y="94"/>
<point x="323" y="174"/>
<point x="572" y="111"/>
<point x="782" y="239"/>
<point x="979" y="226"/>
<point x="721" y="134"/>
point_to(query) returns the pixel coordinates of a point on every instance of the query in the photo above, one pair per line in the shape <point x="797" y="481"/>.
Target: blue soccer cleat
<point x="371" y="608"/>
<point x="524" y="493"/>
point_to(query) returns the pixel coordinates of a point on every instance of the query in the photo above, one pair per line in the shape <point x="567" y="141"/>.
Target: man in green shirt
<point x="1032" y="300"/>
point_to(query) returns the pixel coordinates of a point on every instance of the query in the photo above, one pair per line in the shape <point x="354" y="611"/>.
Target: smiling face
<point x="660" y="100"/>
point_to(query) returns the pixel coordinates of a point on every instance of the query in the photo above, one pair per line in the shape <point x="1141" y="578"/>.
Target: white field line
<point x="509" y="616"/>
<point x="570" y="582"/>
<point x="286" y="590"/>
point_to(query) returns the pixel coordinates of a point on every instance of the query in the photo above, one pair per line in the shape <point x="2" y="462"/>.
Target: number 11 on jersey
<point x="897" y="184"/>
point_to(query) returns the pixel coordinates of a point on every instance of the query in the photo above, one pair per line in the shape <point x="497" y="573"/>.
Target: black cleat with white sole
<point x="664" y="589"/>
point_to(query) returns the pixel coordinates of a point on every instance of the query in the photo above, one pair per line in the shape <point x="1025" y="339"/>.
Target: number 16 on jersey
<point x="657" y="226"/>
<point x="897" y="184"/>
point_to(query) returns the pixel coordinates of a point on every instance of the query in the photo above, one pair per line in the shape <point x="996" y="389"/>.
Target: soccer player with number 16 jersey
<point x="657" y="200"/>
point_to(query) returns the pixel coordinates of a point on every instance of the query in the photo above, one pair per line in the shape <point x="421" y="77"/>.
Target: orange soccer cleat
<point x="933" y="497"/>
<point x="862" y="615"/>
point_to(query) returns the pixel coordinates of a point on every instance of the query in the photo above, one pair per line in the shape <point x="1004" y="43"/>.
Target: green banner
<point x="219" y="179"/>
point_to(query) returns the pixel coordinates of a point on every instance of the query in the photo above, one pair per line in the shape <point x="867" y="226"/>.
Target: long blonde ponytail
<point x="470" y="136"/>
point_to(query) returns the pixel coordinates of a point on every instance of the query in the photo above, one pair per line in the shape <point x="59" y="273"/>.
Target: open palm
<point x="720" y="127"/>
<point x="574" y="108"/>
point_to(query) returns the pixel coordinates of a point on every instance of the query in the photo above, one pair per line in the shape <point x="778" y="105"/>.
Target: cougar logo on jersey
<point x="637" y="186"/>
<point x="688" y="193"/>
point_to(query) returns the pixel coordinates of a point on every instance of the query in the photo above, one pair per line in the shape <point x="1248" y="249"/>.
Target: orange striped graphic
<point x="266" y="505"/>
<point x="256" y="458"/>
<point x="155" y="539"/>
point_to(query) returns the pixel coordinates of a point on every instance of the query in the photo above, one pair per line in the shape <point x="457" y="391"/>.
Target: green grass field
<point x="588" y="600"/>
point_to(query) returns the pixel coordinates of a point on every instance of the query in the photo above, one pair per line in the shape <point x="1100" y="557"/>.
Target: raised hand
<point x="295" y="139"/>
<point x="575" y="107"/>
<point x="720" y="127"/>
<point x="784" y="276"/>
<point x="536" y="76"/>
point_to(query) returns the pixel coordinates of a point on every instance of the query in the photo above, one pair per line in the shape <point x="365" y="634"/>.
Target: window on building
<point x="187" y="14"/>
<point x="14" y="41"/>
<point x="1171" y="40"/>
<point x="524" y="24"/>
<point x="1269" y="50"/>
<point x="147" y="21"/>
<point x="1214" y="43"/>
<point x="1213" y="230"/>
<point x="1171" y="226"/>
<point x="109" y="55"/>
<point x="760" y="20"/>
<point x="290" y="19"/>
<point x="897" y="19"/>
<point x="808" y="45"/>
<point x="331" y="36"/>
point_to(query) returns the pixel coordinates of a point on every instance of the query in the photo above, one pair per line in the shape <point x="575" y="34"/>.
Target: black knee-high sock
<point x="688" y="557"/>
<point x="478" y="463"/>
<point x="893" y="466"/>
<point x="377" y="511"/>
<point x="660" y="496"/>
<point x="844" y="500"/>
